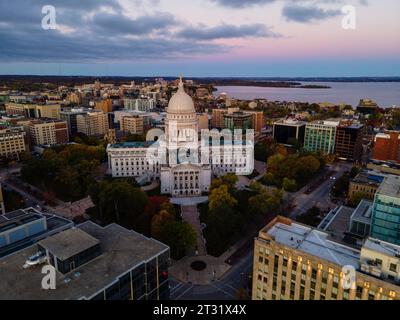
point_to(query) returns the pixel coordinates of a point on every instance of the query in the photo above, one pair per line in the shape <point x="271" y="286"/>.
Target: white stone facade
<point x="179" y="160"/>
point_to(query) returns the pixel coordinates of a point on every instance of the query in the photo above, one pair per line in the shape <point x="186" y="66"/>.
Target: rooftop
<point x="291" y="122"/>
<point x="365" y="177"/>
<point x="363" y="212"/>
<point x="68" y="243"/>
<point x="138" y="144"/>
<point x="122" y="250"/>
<point x="313" y="242"/>
<point x="337" y="222"/>
<point x="386" y="248"/>
<point x="390" y="187"/>
<point x="20" y="217"/>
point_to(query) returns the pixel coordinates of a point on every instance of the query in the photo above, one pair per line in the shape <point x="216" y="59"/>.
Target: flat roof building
<point x="349" y="141"/>
<point x="92" y="123"/>
<point x="360" y="221"/>
<point x="320" y="136"/>
<point x="22" y="228"/>
<point x="91" y="262"/>
<point x="386" y="211"/>
<point x="286" y="131"/>
<point x="387" y="147"/>
<point x="293" y="261"/>
<point x="12" y="142"/>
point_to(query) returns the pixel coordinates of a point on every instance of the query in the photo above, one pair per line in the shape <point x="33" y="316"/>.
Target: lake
<point x="386" y="94"/>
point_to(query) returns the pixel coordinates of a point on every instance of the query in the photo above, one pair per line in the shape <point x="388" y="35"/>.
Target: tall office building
<point x="285" y="131"/>
<point x="12" y="142"/>
<point x="90" y="263"/>
<point x="386" y="211"/>
<point x="349" y="141"/>
<point x="93" y="123"/>
<point x="387" y="147"/>
<point x="132" y="124"/>
<point x="34" y="111"/>
<point x="296" y="262"/>
<point x="367" y="106"/>
<point x="49" y="132"/>
<point x="320" y="136"/>
<point x="238" y="120"/>
<point x="69" y="115"/>
<point x="143" y="104"/>
<point x="105" y="105"/>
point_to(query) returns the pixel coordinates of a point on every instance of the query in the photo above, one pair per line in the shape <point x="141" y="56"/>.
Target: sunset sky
<point x="266" y="38"/>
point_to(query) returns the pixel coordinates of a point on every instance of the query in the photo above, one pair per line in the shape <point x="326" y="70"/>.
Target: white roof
<point x="314" y="242"/>
<point x="386" y="248"/>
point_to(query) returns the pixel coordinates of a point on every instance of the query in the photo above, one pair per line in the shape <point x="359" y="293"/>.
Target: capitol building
<point x="183" y="159"/>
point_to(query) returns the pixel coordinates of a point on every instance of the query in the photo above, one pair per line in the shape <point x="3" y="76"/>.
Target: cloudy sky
<point x="200" y="38"/>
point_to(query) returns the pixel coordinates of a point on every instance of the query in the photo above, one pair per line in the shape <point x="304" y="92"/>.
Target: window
<point x="393" y="267"/>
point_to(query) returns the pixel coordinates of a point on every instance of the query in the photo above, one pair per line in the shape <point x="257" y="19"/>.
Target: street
<point x="321" y="195"/>
<point x="222" y="289"/>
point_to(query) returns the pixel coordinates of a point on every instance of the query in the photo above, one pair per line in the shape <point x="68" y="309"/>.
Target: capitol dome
<point x="181" y="102"/>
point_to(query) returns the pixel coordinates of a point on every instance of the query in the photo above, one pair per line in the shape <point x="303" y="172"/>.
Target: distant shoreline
<point x="206" y="80"/>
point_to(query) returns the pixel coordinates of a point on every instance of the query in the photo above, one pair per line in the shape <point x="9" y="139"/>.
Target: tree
<point x="179" y="236"/>
<point x="307" y="167"/>
<point x="260" y="152"/>
<point x="341" y="186"/>
<point x="229" y="180"/>
<point x="158" y="221"/>
<point x="289" y="185"/>
<point x="265" y="203"/>
<point x="256" y="187"/>
<point x="220" y="196"/>
<point x="119" y="201"/>
<point x="311" y="217"/>
<point x="354" y="172"/>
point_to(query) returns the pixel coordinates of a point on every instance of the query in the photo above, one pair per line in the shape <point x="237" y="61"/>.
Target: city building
<point x="238" y="120"/>
<point x="287" y="131"/>
<point x="296" y="262"/>
<point x="21" y="228"/>
<point x="33" y="110"/>
<point x="258" y="120"/>
<point x="143" y="104"/>
<point x="386" y="211"/>
<point x="387" y="147"/>
<point x="2" y="206"/>
<point x="384" y="167"/>
<point x="367" y="106"/>
<point x="93" y="123"/>
<point x="189" y="174"/>
<point x="12" y="142"/>
<point x="48" y="111"/>
<point x="366" y="183"/>
<point x="320" y="136"/>
<point x="217" y="120"/>
<point x="105" y="105"/>
<point x="49" y="132"/>
<point x="349" y="141"/>
<point x="90" y="263"/>
<point x="233" y="117"/>
<point x="360" y="221"/>
<point x="132" y="124"/>
<point x="203" y="121"/>
<point x="69" y="115"/>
